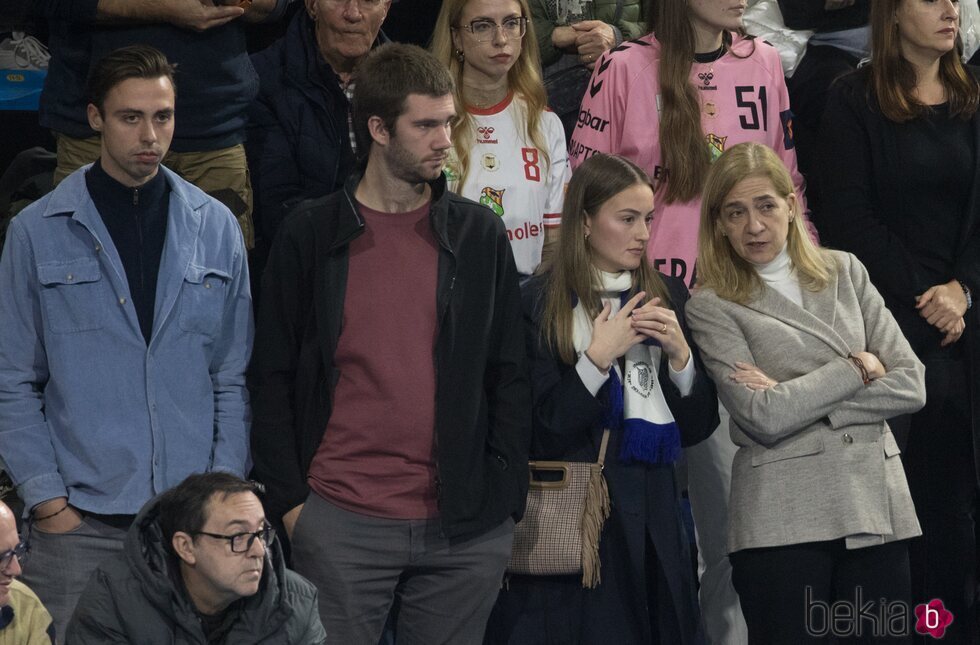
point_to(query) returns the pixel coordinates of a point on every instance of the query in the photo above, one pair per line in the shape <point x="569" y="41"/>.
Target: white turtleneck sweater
<point x="781" y="276"/>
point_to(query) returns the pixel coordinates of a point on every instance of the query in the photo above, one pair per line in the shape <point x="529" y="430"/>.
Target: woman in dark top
<point x="902" y="189"/>
<point x="609" y="347"/>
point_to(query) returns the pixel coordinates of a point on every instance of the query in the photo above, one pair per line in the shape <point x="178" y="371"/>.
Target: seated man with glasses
<point x="201" y="564"/>
<point x="23" y="619"/>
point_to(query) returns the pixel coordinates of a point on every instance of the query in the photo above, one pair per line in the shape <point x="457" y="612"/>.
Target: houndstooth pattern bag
<point x="563" y="521"/>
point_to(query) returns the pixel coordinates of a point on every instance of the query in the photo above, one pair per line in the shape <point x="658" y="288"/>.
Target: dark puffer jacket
<point x="298" y="141"/>
<point x="133" y="598"/>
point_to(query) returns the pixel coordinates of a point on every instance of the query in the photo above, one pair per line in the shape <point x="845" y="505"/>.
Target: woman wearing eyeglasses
<point x="508" y="150"/>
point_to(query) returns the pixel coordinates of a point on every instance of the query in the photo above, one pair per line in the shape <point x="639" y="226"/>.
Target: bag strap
<point x="602" y="447"/>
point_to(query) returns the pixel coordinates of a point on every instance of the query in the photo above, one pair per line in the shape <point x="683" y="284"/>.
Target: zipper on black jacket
<point x="439" y="322"/>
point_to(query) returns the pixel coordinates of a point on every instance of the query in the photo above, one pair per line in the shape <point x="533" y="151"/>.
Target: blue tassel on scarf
<point x="643" y="441"/>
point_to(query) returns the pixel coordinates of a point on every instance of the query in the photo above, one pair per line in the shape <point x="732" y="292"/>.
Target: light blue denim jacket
<point x="87" y="409"/>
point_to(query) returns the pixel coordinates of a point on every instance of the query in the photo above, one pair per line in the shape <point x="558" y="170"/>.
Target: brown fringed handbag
<point x="562" y="524"/>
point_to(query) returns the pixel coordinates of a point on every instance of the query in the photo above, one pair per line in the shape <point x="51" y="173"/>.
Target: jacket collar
<point x="816" y="317"/>
<point x="351" y="223"/>
<point x="65" y="198"/>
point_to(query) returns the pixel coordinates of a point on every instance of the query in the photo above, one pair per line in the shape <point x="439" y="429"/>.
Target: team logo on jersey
<point x="786" y="116"/>
<point x="485" y="132"/>
<point x="706" y="78"/>
<point x="493" y="199"/>
<point x="711" y="109"/>
<point x="490" y="162"/>
<point x="716" y="145"/>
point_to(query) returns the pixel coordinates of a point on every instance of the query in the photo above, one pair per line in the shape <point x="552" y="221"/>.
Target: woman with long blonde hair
<point x="508" y="149"/>
<point x="810" y="364"/>
<point x="609" y="348"/>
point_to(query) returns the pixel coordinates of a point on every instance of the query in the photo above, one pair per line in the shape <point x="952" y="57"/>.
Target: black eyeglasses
<point x="484" y="30"/>
<point x="20" y="551"/>
<point x="242" y="542"/>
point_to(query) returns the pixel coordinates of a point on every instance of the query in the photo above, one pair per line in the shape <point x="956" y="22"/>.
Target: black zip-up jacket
<point x="483" y="399"/>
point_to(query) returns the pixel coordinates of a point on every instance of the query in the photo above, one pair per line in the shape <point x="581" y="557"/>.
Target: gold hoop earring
<point x="460" y="56"/>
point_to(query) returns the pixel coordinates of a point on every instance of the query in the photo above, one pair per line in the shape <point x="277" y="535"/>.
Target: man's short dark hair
<point x="135" y="61"/>
<point x="182" y="508"/>
<point x="385" y="78"/>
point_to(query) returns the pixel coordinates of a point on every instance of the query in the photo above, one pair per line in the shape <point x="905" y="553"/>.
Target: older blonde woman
<point x="810" y="363"/>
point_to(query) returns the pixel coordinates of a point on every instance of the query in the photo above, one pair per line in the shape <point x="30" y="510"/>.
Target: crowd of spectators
<point x="735" y="243"/>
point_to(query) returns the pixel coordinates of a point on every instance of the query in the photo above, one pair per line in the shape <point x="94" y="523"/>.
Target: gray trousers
<point x="61" y="564"/>
<point x="361" y="565"/>
<point x="709" y="484"/>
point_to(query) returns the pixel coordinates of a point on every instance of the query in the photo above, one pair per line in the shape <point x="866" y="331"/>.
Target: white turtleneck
<point x="781" y="276"/>
<point x="614" y="284"/>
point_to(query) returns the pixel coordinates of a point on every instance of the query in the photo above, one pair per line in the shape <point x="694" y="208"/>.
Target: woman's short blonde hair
<point x="719" y="266"/>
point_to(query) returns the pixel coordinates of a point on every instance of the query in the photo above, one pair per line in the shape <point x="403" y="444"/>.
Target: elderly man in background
<point x="300" y="143"/>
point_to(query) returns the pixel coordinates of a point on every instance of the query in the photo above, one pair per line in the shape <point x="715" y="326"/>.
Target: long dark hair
<point x="893" y="77"/>
<point x="682" y="140"/>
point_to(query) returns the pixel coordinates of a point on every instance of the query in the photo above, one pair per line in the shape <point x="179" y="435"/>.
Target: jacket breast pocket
<point x="72" y="295"/>
<point x="202" y="300"/>
<point x="798" y="447"/>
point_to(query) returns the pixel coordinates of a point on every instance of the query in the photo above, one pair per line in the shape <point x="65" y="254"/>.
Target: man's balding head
<point x="9" y="563"/>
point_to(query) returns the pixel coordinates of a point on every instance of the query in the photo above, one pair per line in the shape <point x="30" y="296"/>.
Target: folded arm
<point x="772" y="414"/>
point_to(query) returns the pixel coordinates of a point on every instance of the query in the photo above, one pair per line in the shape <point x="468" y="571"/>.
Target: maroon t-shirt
<point x="376" y="456"/>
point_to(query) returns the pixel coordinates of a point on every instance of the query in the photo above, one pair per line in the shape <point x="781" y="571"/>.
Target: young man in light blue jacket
<point x="124" y="335"/>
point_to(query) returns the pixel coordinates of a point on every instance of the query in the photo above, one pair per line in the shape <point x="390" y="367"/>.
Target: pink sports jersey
<point x="742" y="99"/>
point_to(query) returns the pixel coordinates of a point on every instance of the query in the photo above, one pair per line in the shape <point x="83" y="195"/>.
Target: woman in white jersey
<point x="508" y="149"/>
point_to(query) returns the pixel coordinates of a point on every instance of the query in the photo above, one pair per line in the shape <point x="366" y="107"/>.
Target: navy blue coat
<point x="298" y="141"/>
<point x="645" y="508"/>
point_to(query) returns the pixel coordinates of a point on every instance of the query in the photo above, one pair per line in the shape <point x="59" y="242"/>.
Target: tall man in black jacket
<point x="391" y="405"/>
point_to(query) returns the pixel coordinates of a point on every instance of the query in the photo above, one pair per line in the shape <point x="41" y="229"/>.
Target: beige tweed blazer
<point x="816" y="460"/>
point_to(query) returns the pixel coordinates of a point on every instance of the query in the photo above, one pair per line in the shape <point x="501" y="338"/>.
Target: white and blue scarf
<point x="638" y="409"/>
